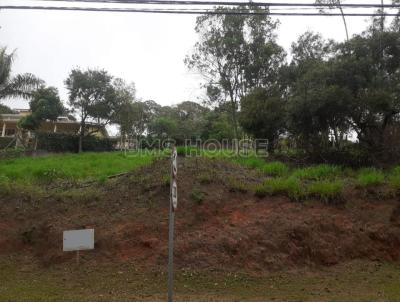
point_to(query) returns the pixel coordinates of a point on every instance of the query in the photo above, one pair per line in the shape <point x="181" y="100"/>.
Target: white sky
<point x="147" y="49"/>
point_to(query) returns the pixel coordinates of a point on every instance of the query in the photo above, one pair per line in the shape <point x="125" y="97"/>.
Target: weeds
<point x="237" y="185"/>
<point x="205" y="178"/>
<point x="327" y="191"/>
<point x="275" y="168"/>
<point x="197" y="196"/>
<point x="370" y="177"/>
<point x="291" y="187"/>
<point x="317" y="172"/>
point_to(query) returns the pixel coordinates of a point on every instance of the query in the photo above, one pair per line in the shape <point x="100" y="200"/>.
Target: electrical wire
<point x="187" y="12"/>
<point x="229" y="3"/>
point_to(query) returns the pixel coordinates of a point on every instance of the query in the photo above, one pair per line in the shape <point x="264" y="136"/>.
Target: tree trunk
<point x="235" y="125"/>
<point x="81" y="135"/>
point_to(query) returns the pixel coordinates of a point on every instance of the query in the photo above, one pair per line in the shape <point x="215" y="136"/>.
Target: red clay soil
<point x="216" y="228"/>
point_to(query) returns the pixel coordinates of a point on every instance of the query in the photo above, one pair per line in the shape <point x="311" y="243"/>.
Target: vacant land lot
<point x="246" y="230"/>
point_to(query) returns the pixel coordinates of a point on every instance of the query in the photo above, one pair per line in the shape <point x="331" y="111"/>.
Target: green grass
<point x="275" y="168"/>
<point x="394" y="178"/>
<point x="370" y="177"/>
<point x="325" y="190"/>
<point x="318" y="172"/>
<point x="70" y="166"/>
<point x="251" y="162"/>
<point x="291" y="187"/>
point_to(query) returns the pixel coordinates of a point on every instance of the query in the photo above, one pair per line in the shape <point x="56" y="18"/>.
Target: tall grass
<point x="70" y="166"/>
<point x="325" y="190"/>
<point x="394" y="178"/>
<point x="317" y="172"/>
<point x="275" y="168"/>
<point x="370" y="177"/>
<point x="291" y="187"/>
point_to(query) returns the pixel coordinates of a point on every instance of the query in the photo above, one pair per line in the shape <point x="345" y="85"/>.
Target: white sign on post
<point x="78" y="240"/>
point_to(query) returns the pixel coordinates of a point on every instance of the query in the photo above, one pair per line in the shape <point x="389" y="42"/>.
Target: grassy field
<point x="324" y="182"/>
<point x="350" y="282"/>
<point x="85" y="166"/>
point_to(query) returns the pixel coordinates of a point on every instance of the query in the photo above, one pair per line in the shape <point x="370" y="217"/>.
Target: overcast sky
<point x="147" y="49"/>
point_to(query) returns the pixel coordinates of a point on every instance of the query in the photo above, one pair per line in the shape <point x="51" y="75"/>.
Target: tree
<point x="234" y="54"/>
<point x="5" y="109"/>
<point x="93" y="95"/>
<point x="124" y="117"/>
<point x="45" y="105"/>
<point x="316" y="107"/>
<point x="333" y="4"/>
<point x="263" y="115"/>
<point x="21" y="85"/>
<point x="163" y="127"/>
<point x="369" y="67"/>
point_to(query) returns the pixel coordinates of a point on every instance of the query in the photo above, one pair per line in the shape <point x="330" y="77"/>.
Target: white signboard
<point x="78" y="240"/>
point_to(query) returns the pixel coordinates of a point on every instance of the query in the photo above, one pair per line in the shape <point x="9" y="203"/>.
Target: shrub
<point x="60" y="142"/>
<point x="326" y="190"/>
<point x="370" y="177"/>
<point x="6" y="142"/>
<point x="188" y="151"/>
<point x="275" y="168"/>
<point x="317" y="172"/>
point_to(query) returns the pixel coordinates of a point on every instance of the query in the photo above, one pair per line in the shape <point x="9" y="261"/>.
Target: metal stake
<point x="171" y="254"/>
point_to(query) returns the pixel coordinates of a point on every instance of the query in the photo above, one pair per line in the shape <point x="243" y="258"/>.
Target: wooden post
<point x="3" y="133"/>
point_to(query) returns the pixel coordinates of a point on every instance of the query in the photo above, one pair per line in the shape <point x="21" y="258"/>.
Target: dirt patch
<point x="216" y="227"/>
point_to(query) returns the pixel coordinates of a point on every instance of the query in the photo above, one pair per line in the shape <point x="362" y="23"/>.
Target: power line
<point x="229" y="3"/>
<point x="187" y="12"/>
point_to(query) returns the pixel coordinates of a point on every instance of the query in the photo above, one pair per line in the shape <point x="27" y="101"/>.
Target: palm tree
<point x="21" y="85"/>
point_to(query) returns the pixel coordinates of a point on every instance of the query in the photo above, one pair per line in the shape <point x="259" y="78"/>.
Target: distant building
<point x="63" y="124"/>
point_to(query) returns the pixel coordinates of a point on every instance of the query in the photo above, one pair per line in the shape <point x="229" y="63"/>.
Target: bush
<point x="275" y="168"/>
<point x="370" y="177"/>
<point x="394" y="178"/>
<point x="326" y="190"/>
<point x="317" y="172"/>
<point x="352" y="155"/>
<point x="6" y="142"/>
<point x="60" y="142"/>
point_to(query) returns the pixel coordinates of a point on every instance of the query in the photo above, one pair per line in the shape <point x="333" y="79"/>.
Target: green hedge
<point x="59" y="142"/>
<point x="5" y="141"/>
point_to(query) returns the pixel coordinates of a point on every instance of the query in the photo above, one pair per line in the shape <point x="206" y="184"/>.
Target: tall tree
<point x="95" y="98"/>
<point x="263" y="115"/>
<point x="234" y="54"/>
<point x="21" y="85"/>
